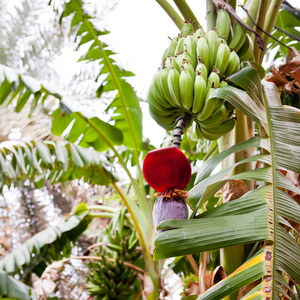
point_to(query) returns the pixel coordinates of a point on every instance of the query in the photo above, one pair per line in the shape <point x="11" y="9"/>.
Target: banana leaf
<point x="261" y="215"/>
<point x="53" y="243"/>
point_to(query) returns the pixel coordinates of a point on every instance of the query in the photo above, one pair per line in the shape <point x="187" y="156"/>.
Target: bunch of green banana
<point x="195" y="64"/>
<point x="112" y="278"/>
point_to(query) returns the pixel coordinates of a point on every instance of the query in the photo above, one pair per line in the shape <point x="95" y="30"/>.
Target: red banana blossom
<point x="168" y="171"/>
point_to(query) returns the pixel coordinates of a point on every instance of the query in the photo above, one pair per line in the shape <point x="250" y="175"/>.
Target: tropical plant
<point x="258" y="245"/>
<point x="251" y="242"/>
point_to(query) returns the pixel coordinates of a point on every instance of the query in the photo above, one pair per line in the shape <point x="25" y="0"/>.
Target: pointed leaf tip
<point x="167" y="168"/>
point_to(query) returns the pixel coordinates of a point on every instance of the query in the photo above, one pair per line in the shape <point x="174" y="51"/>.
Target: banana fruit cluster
<point x="115" y="280"/>
<point x="194" y="64"/>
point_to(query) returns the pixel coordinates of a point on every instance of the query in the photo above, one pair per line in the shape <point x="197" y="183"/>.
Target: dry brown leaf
<point x="218" y="275"/>
<point x="192" y="288"/>
<point x="244" y="290"/>
<point x="290" y="69"/>
<point x="233" y="189"/>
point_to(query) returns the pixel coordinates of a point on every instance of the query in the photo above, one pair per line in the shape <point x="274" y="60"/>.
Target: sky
<point x="139" y="32"/>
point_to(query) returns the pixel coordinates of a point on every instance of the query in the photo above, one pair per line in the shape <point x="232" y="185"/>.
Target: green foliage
<point x="10" y="288"/>
<point x="289" y="23"/>
<point x="24" y="88"/>
<point x="127" y="114"/>
<point x="51" y="244"/>
<point x="40" y="161"/>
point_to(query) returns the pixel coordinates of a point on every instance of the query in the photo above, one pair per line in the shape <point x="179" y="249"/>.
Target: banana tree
<point x="256" y="233"/>
<point x="91" y="151"/>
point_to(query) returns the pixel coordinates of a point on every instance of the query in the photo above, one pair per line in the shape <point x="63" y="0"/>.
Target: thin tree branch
<point x="269" y="35"/>
<point x="220" y="4"/>
<point x="287" y="33"/>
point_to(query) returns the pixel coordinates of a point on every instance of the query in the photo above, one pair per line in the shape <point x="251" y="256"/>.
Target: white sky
<point x="139" y="32"/>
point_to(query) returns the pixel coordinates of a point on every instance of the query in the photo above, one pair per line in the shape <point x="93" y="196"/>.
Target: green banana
<point x="171" y="62"/>
<point x="189" y="67"/>
<point x="203" y="51"/>
<point x="166" y="122"/>
<point x="199" y="33"/>
<point x="213" y="80"/>
<point x="239" y="35"/>
<point x="247" y="49"/>
<point x="208" y="107"/>
<point x="155" y="105"/>
<point x="187" y="29"/>
<point x="218" y="116"/>
<point x="223" y="83"/>
<point x="173" y="84"/>
<point x="213" y="43"/>
<point x="163" y="85"/>
<point x="198" y="131"/>
<point x="199" y="93"/>
<point x="218" y="131"/>
<point x="223" y="24"/>
<point x="206" y="136"/>
<point x="233" y="64"/>
<point x="157" y="93"/>
<point x="201" y="69"/>
<point x="170" y="51"/>
<point x="222" y="58"/>
<point x="190" y="47"/>
<point x="180" y="46"/>
<point x="186" y="89"/>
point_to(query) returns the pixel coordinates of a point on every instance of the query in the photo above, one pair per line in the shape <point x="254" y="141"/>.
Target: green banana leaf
<point x="290" y="24"/>
<point x="24" y="88"/>
<point x="258" y="216"/>
<point x="10" y="288"/>
<point x="53" y="243"/>
<point x="55" y="161"/>
<point x="127" y="112"/>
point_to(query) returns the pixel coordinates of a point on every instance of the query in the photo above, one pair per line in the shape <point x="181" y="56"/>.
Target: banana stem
<point x="260" y="25"/>
<point x="232" y="257"/>
<point x="179" y="129"/>
<point x="186" y="12"/>
<point x="179" y="22"/>
<point x="271" y="16"/>
<point x="211" y="15"/>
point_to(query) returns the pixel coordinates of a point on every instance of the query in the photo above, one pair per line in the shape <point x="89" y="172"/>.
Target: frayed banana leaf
<point x="250" y="271"/>
<point x="270" y="204"/>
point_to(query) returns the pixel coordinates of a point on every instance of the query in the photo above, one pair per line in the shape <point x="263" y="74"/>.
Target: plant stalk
<point x="232" y="257"/>
<point x="271" y="16"/>
<point x="179" y="129"/>
<point x="187" y="13"/>
<point x="172" y="13"/>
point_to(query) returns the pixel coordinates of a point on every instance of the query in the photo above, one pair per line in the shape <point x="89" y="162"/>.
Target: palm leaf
<point x="260" y="209"/>
<point x="53" y="243"/>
